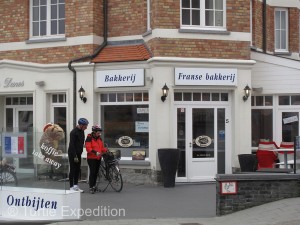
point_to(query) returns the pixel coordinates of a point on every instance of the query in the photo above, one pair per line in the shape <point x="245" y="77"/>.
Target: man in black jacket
<point x="74" y="152"/>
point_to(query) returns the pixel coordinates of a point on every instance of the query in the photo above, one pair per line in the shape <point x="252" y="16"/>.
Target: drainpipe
<point x="97" y="51"/>
<point x="264" y="26"/>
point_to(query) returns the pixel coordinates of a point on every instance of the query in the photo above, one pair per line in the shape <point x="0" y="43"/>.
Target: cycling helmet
<point x="83" y="121"/>
<point x="96" y="128"/>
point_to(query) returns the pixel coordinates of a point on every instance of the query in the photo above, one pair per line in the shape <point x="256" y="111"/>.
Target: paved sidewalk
<point x="185" y="204"/>
<point x="283" y="212"/>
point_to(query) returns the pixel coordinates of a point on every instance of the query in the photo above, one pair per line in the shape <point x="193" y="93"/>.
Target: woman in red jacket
<point x="95" y="148"/>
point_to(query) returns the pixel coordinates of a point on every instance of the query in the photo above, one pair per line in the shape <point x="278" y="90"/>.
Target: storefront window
<point x="262" y="119"/>
<point x="262" y="125"/>
<point x="198" y="96"/>
<point x="126" y="126"/>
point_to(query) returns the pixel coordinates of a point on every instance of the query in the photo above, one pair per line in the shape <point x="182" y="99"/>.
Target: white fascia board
<point x="71" y="41"/>
<point x="201" y="60"/>
<point x="283" y="3"/>
<point x="174" y="33"/>
<point x="7" y="62"/>
<point x="276" y="60"/>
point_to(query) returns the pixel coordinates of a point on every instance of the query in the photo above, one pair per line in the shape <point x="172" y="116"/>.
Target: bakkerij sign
<point x="120" y="78"/>
<point x="205" y="76"/>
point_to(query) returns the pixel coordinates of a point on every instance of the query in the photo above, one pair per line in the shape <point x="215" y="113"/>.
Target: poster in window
<point x="14" y="145"/>
<point x="138" y="155"/>
<point x="141" y="126"/>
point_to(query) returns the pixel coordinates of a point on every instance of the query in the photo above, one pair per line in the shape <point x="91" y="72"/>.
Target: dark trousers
<point x="94" y="165"/>
<point x="74" y="171"/>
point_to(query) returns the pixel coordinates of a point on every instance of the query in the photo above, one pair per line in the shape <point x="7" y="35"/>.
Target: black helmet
<point x="96" y="128"/>
<point x="83" y="121"/>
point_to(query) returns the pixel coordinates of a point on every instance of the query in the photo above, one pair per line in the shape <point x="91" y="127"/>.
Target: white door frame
<point x="188" y="132"/>
<point x="16" y="161"/>
<point x="279" y="122"/>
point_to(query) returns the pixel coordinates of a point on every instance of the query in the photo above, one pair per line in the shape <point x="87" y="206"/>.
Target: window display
<point x="126" y="127"/>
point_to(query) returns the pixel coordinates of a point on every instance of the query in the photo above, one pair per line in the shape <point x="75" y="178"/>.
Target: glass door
<point x="25" y="124"/>
<point x="21" y="120"/>
<point x="201" y="140"/>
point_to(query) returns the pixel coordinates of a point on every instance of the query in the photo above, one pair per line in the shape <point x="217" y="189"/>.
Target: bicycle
<point x="8" y="175"/>
<point x="109" y="173"/>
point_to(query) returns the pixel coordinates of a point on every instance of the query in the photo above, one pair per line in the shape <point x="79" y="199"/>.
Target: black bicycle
<point x="8" y="175"/>
<point x="109" y="173"/>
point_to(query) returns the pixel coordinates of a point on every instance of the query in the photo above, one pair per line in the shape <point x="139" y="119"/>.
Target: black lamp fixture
<point x="165" y="91"/>
<point x="82" y="95"/>
<point x="247" y="91"/>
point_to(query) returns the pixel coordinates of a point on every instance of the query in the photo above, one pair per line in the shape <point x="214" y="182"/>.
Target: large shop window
<point x="262" y="119"/>
<point x="125" y="122"/>
<point x="203" y="14"/>
<point x="47" y="18"/>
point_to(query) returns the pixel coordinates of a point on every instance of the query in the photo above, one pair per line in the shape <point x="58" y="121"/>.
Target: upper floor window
<point x="47" y="18"/>
<point x="281" y="30"/>
<point x="203" y="14"/>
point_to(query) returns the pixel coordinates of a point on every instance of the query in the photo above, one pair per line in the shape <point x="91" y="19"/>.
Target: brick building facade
<point x="67" y="44"/>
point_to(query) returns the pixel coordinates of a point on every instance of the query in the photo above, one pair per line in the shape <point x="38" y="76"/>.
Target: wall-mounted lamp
<point x="247" y="91"/>
<point x="165" y="91"/>
<point x="82" y="95"/>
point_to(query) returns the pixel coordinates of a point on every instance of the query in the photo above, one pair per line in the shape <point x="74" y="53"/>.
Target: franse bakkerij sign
<point x="205" y="76"/>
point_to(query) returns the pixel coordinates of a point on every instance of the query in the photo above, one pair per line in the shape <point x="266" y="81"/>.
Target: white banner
<point x="205" y="76"/>
<point x="38" y="204"/>
<point x="120" y="78"/>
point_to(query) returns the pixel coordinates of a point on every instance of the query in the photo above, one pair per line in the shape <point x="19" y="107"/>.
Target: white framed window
<point x="124" y="117"/>
<point x="58" y="113"/>
<point x="203" y="14"/>
<point x="281" y="30"/>
<point x="47" y="18"/>
<point x="268" y="114"/>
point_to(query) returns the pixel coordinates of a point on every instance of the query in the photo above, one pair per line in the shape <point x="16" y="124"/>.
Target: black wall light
<point x="165" y="91"/>
<point x="247" y="91"/>
<point x="82" y="95"/>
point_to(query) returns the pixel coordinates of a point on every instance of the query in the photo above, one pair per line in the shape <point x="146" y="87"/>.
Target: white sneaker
<point x="76" y="188"/>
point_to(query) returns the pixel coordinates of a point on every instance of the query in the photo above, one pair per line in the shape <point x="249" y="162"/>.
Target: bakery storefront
<point x="204" y="114"/>
<point x="198" y="116"/>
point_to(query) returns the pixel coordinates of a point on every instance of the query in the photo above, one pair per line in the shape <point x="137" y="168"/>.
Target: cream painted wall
<point x="162" y="116"/>
<point x="275" y="74"/>
<point x="241" y="115"/>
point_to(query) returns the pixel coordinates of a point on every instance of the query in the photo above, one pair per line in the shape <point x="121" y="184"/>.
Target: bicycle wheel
<point x="116" y="178"/>
<point x="8" y="178"/>
<point x="101" y="183"/>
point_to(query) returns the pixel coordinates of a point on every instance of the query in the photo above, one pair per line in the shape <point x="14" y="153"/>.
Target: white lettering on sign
<point x="142" y="110"/>
<point x="290" y="119"/>
<point x="205" y="76"/>
<point x="9" y="82"/>
<point x="120" y="78"/>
